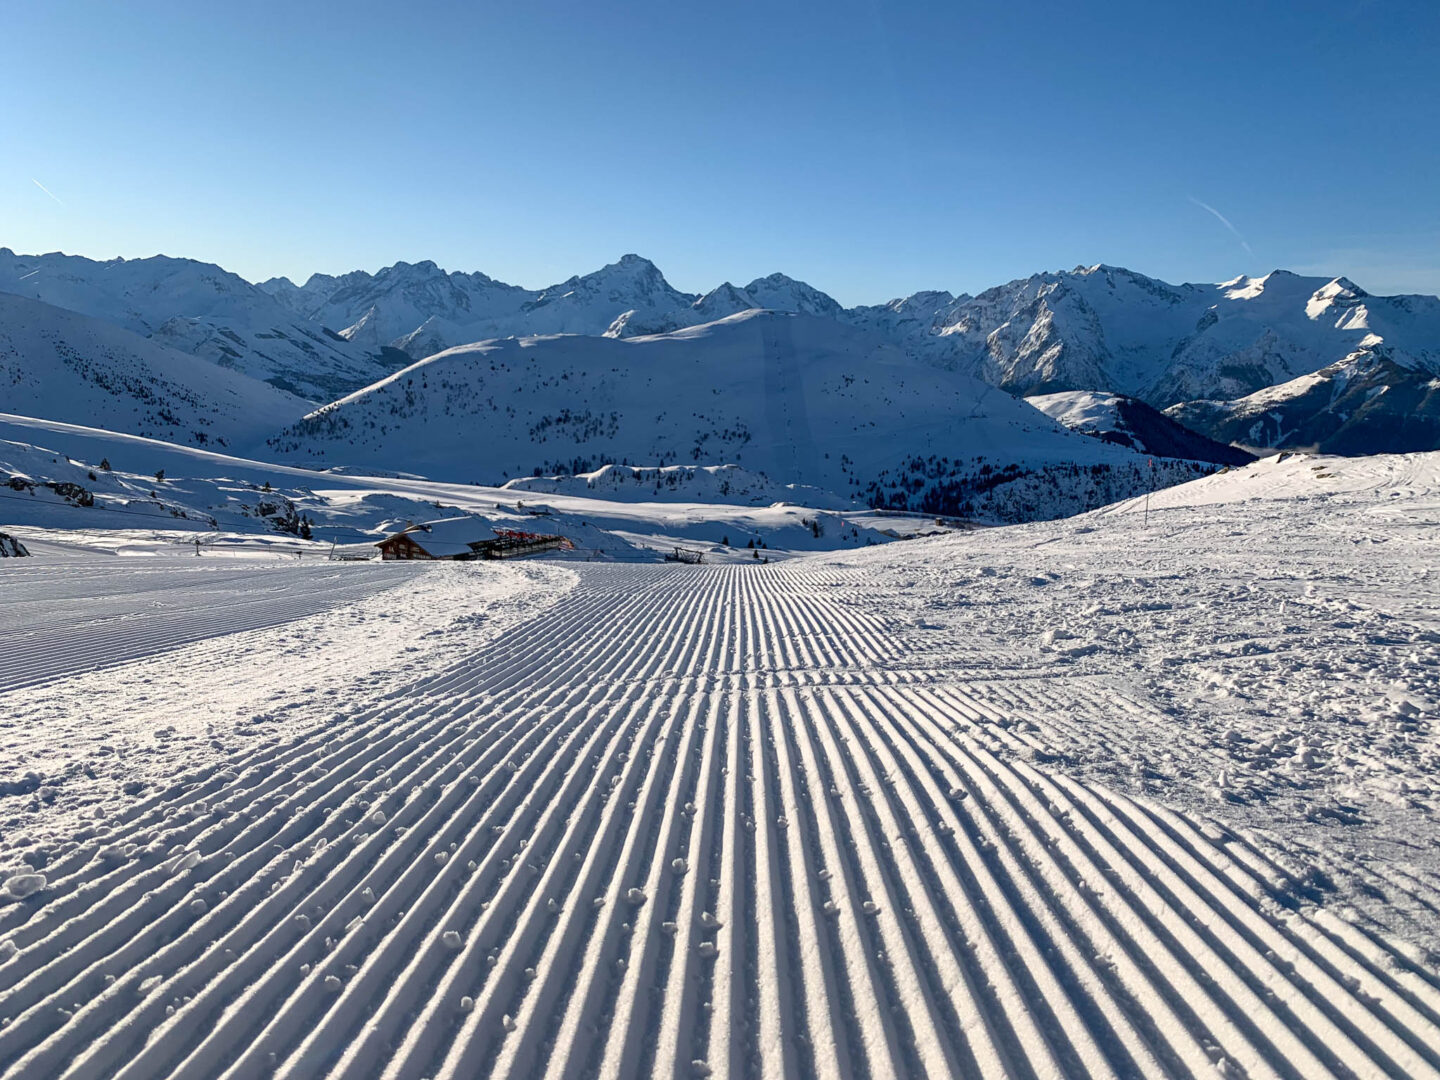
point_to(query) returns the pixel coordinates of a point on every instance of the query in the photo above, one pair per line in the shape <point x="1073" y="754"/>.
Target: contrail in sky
<point x="1223" y="221"/>
<point x="45" y="189"/>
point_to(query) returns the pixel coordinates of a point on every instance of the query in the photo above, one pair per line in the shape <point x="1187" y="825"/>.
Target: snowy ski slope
<point x="68" y="367"/>
<point x="71" y="616"/>
<point x="729" y="821"/>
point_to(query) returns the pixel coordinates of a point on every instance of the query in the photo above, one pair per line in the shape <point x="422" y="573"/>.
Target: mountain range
<point x="1281" y="361"/>
<point x="803" y="400"/>
<point x="1098" y="328"/>
<point x="200" y="309"/>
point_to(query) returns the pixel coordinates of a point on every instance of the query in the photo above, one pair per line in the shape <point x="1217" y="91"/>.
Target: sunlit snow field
<point x="1143" y="792"/>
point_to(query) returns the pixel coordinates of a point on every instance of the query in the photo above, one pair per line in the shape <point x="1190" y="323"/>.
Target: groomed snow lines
<point x="692" y="821"/>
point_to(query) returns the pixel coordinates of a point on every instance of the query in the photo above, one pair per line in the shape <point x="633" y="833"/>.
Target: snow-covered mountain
<point x="137" y="294"/>
<point x="1378" y="399"/>
<point x="725" y="484"/>
<point x="1106" y="328"/>
<point x="203" y="310"/>
<point x="423" y="309"/>
<point x="800" y="399"/>
<point x="1099" y="328"/>
<point x="774" y="293"/>
<point x="403" y="301"/>
<point x="62" y="365"/>
<point x="915" y="320"/>
<point x="1127" y="421"/>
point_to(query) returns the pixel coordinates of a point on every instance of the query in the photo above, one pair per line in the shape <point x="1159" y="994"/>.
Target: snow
<point x="1093" y="328"/>
<point x="138" y="295"/>
<point x="1145" y="791"/>
<point x="1375" y="399"/>
<point x="424" y="310"/>
<point x="1079" y="409"/>
<point x="1098" y="328"/>
<point x="64" y="366"/>
<point x="22" y="885"/>
<point x="240" y="507"/>
<point x="297" y="357"/>
<point x="801" y="400"/>
<point x="1365" y="485"/>
<point x="679" y="483"/>
<point x="1104" y="328"/>
<point x="1339" y="292"/>
<point x="200" y="309"/>
<point x="99" y="710"/>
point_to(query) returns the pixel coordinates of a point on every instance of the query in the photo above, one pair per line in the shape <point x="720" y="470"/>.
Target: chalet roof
<point x="447" y="536"/>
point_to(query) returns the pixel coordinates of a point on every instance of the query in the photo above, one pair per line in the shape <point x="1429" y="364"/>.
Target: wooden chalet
<point x="459" y="539"/>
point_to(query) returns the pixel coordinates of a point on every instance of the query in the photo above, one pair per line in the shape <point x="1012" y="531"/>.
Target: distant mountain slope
<point x="423" y="309"/>
<point x="678" y="483"/>
<point x="401" y="301"/>
<point x="1098" y="328"/>
<point x="799" y="399"/>
<point x="137" y="294"/>
<point x="1093" y="328"/>
<point x="1127" y="421"/>
<point x="1106" y="328"/>
<point x="300" y="357"/>
<point x="200" y="309"/>
<point x="1376" y="400"/>
<point x="61" y="365"/>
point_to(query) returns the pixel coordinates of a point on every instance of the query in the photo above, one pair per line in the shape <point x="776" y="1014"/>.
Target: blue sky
<point x="870" y="148"/>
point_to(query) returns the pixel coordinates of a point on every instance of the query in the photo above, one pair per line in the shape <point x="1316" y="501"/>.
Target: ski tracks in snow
<point x="691" y="821"/>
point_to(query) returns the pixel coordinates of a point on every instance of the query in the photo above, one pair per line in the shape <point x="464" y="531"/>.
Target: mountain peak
<point x="425" y="266"/>
<point x="629" y="266"/>
<point x="780" y="292"/>
<point x="1109" y="270"/>
<point x="1343" y="285"/>
<point x="1341" y="294"/>
<point x="724" y="293"/>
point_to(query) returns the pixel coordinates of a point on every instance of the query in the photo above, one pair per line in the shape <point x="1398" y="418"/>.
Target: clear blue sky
<point x="870" y="148"/>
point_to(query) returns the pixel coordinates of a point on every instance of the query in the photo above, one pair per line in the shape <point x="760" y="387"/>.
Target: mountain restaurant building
<point x="460" y="539"/>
